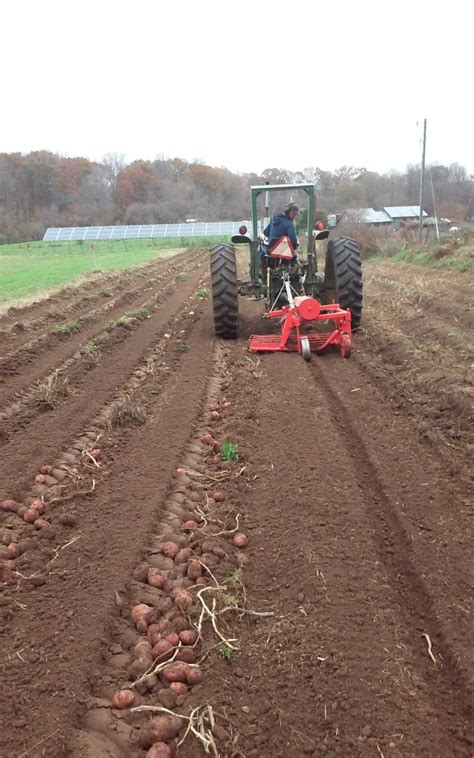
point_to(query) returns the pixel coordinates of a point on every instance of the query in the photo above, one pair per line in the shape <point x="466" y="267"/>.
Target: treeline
<point x="43" y="189"/>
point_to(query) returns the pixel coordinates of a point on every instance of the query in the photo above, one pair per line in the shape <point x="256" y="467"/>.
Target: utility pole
<point x="434" y="205"/>
<point x="422" y="183"/>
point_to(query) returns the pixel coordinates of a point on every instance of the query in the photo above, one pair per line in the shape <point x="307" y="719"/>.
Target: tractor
<point x="313" y="310"/>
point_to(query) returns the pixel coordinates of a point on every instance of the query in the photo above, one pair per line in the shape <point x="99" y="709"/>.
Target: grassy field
<point x="439" y="256"/>
<point x="32" y="268"/>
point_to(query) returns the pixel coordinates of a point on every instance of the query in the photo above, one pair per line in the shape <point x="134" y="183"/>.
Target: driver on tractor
<point x="282" y="224"/>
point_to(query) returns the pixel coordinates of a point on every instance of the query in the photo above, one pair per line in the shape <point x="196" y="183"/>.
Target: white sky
<point x="247" y="84"/>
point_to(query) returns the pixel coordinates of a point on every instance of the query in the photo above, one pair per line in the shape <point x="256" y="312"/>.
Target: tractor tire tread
<point x="343" y="263"/>
<point x="223" y="269"/>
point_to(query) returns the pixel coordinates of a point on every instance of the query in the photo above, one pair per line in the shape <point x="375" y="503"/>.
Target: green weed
<point x="65" y="330"/>
<point x="226" y="652"/>
<point x="229" y="451"/>
<point x="139" y="313"/>
<point x="202" y="293"/>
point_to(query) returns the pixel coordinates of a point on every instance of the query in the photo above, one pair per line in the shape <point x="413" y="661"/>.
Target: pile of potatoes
<point x="21" y="519"/>
<point x="166" y="660"/>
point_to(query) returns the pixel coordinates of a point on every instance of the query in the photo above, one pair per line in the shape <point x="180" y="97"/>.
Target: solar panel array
<point x="143" y="231"/>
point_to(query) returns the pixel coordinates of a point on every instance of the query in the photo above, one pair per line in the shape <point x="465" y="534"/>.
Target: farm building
<point x="391" y="214"/>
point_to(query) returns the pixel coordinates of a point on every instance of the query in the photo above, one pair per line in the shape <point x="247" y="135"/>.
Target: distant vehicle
<point x="191" y="220"/>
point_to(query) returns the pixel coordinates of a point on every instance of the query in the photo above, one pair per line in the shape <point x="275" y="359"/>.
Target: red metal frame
<point x="306" y="310"/>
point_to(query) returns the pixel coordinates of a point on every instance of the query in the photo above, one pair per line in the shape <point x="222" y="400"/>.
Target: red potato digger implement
<point x="314" y="311"/>
<point x="302" y="311"/>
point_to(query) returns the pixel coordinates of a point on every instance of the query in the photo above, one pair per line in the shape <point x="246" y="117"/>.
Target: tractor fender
<point x="321" y="235"/>
<point x="237" y="239"/>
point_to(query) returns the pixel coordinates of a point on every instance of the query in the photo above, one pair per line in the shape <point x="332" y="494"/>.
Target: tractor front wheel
<point x="343" y="277"/>
<point x="225" y="300"/>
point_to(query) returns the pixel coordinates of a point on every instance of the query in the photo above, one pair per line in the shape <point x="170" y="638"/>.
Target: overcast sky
<point x="247" y="84"/>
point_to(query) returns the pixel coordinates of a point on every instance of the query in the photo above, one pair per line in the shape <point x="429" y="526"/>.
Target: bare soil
<point x="347" y="624"/>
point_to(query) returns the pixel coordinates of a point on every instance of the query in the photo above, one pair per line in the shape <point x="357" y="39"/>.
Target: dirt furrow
<point x="23" y="454"/>
<point x="50" y="679"/>
<point x="55" y="349"/>
<point x="63" y="384"/>
<point x="22" y="324"/>
<point x="359" y="600"/>
<point x="391" y="503"/>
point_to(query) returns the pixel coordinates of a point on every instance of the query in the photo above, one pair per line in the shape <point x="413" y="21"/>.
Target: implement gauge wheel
<point x="225" y="301"/>
<point x="305" y="349"/>
<point x="343" y="277"/>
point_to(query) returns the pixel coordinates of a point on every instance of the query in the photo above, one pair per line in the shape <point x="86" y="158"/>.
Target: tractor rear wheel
<point x="225" y="300"/>
<point x="343" y="277"/>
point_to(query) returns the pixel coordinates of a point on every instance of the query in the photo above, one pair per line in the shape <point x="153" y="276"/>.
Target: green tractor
<point x="295" y="292"/>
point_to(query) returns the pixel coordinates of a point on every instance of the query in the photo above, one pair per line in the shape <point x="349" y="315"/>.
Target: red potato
<point x="139" y="667"/>
<point x="184" y="555"/>
<point x="38" y="505"/>
<point x="96" y="452"/>
<point x="218" y="496"/>
<point x="173" y="637"/>
<point x="40" y="523"/>
<point x="155" y="578"/>
<point x="175" y="672"/>
<point x="219" y="551"/>
<point x="179" y="688"/>
<point x="207" y="439"/>
<point x="187" y="655"/>
<point x="240" y="540"/>
<point x="165" y="625"/>
<point x="8" y="505"/>
<point x="193" y="675"/>
<point x="123" y="699"/>
<point x="12" y="550"/>
<point x="46" y="470"/>
<point x="39" y="479"/>
<point x="170" y="549"/>
<point x="215" y="415"/>
<point x="210" y="560"/>
<point x="181" y="471"/>
<point x="194" y="570"/>
<point x="182" y="599"/>
<point x="30" y="515"/>
<point x="140" y="615"/>
<point x="179" y="624"/>
<point x="154" y="634"/>
<point x="190" y="525"/>
<point x="226" y="404"/>
<point x="162" y="650"/>
<point x="159" y="750"/>
<point x="188" y="636"/>
<point x="143" y="648"/>
<point x="165" y="728"/>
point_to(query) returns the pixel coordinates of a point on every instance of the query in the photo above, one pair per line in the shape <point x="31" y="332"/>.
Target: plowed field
<point x="293" y="539"/>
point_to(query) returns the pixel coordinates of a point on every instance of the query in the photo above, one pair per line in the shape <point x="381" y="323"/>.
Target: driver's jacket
<point x="280" y="226"/>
